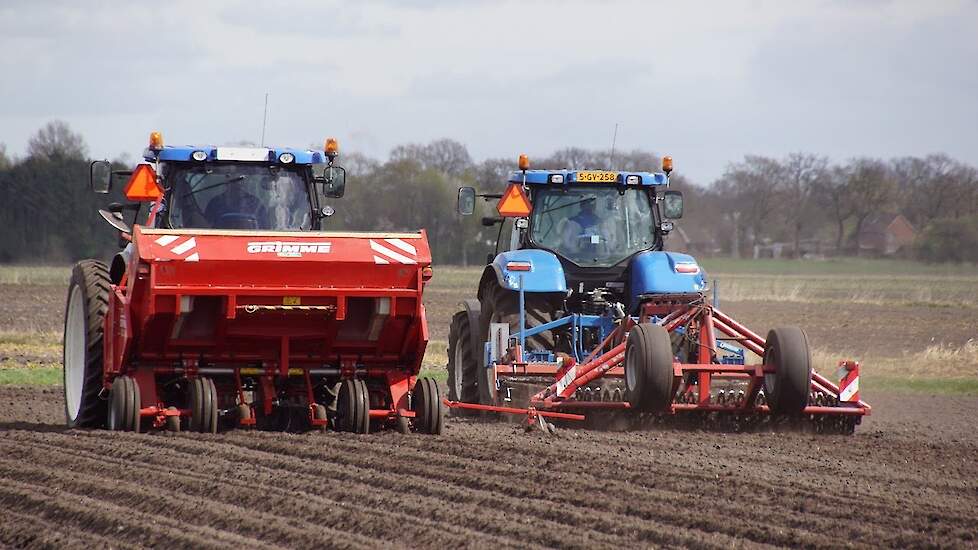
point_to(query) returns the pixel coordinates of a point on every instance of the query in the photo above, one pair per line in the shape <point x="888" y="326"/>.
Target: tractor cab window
<point x="238" y="196"/>
<point x="592" y="226"/>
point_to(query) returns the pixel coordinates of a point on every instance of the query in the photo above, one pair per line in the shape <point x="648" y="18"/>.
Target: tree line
<point x="48" y="214"/>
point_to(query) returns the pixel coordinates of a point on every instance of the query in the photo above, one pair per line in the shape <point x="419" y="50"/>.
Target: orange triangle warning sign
<point x="142" y="185"/>
<point x="514" y="203"/>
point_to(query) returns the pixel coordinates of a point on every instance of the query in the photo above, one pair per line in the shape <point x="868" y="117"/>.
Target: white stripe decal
<point x="192" y="258"/>
<point x="566" y="380"/>
<point x="850" y="390"/>
<point x="184" y="247"/>
<point x="381" y="249"/>
<point x="409" y="248"/>
<point x="379" y="260"/>
<point x="166" y="239"/>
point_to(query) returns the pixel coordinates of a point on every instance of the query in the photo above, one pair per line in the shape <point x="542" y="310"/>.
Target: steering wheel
<point x="237" y="220"/>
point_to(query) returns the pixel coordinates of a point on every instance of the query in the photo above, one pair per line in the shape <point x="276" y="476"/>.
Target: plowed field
<point x="908" y="478"/>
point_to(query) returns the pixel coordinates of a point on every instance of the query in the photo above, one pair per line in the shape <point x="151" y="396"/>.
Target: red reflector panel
<point x="687" y="268"/>
<point x="514" y="203"/>
<point x="142" y="185"/>
<point x="518" y="266"/>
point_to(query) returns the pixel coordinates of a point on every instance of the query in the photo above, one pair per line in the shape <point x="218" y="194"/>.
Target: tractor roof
<point x="240" y="154"/>
<point x="547" y="177"/>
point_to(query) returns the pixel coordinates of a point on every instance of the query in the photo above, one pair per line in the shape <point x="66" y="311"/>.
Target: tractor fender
<point x="658" y="272"/>
<point x="545" y="273"/>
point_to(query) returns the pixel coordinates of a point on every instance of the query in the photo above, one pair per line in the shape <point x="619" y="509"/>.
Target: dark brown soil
<point x="908" y="478"/>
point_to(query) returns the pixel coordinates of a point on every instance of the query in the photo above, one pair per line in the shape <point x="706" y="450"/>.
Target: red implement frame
<point x="705" y="324"/>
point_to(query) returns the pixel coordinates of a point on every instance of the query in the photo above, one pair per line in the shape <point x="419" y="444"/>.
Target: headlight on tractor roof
<point x="632" y="180"/>
<point x="286" y="158"/>
<point x="556" y="178"/>
<point x="199" y="156"/>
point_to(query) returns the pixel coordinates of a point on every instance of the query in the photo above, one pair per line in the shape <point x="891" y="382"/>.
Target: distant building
<point x="886" y="235"/>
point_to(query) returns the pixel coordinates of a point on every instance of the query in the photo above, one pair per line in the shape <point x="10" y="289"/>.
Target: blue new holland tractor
<point x="583" y="309"/>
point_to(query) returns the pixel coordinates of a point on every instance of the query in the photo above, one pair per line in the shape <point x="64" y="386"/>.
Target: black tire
<point x="124" y="405"/>
<point x="83" y="345"/>
<point x="463" y="361"/>
<point x="203" y="405"/>
<point x="428" y="408"/>
<point x="503" y="306"/>
<point x="787" y="389"/>
<point x="649" y="376"/>
<point x="352" y="407"/>
<point x="173" y="422"/>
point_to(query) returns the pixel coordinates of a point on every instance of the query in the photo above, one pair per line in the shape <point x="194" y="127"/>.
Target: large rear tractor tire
<point x="203" y="405"/>
<point x="503" y="306"/>
<point x="463" y="361"/>
<point x="353" y="407"/>
<point x="124" y="405"/>
<point x="88" y="300"/>
<point x="428" y="408"/>
<point x="649" y="376"/>
<point x="787" y="389"/>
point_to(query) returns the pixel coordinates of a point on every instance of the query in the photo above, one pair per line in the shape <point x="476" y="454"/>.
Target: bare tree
<point x="56" y="140"/>
<point x="444" y="155"/>
<point x="5" y="161"/>
<point x="870" y="188"/>
<point x="800" y="178"/>
<point x="753" y="187"/>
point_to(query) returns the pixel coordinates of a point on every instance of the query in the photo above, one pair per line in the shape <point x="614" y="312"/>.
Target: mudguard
<point x="545" y="273"/>
<point x="664" y="273"/>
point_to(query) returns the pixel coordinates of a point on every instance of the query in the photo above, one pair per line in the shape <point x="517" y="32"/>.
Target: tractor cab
<point x="217" y="188"/>
<point x="602" y="232"/>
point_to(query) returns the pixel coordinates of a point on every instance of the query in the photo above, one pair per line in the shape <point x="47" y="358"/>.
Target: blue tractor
<point x="583" y="309"/>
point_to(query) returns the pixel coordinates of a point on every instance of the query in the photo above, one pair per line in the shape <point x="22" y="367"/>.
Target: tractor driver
<point x="582" y="232"/>
<point x="234" y="208"/>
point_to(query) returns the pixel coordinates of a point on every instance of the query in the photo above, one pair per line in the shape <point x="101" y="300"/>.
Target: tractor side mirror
<point x="333" y="180"/>
<point x="672" y="205"/>
<point x="466" y="201"/>
<point x="100" y="176"/>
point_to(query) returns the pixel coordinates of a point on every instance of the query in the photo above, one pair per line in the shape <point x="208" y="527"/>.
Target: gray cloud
<point x="706" y="83"/>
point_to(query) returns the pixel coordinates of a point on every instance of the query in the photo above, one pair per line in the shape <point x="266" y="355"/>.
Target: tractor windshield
<point x="238" y="196"/>
<point x="592" y="226"/>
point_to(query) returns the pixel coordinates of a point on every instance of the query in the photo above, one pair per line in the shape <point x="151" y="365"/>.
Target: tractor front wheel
<point x="787" y="388"/>
<point x="649" y="375"/>
<point x="88" y="300"/>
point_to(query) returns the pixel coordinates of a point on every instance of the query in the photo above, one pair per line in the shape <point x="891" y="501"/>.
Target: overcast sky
<point x="704" y="82"/>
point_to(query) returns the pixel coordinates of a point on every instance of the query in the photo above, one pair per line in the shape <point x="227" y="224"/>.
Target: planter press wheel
<point x="352" y="407"/>
<point x="124" y="405"/>
<point x="244" y="413"/>
<point x="786" y="389"/>
<point x="649" y="375"/>
<point x="88" y="298"/>
<point x="203" y="405"/>
<point x="172" y="422"/>
<point x="428" y="407"/>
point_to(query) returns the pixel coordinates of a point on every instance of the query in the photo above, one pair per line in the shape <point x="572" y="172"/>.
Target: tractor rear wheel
<point x="503" y="306"/>
<point x="787" y="388"/>
<point x="428" y="407"/>
<point x="124" y="405"/>
<point x="88" y="299"/>
<point x="463" y="361"/>
<point x="649" y="376"/>
<point x="352" y="407"/>
<point x="203" y="405"/>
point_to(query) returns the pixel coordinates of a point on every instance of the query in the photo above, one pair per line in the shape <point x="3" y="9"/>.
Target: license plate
<point x="597" y="177"/>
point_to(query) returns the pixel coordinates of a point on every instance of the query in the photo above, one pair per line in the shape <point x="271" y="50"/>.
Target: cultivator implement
<point x="680" y="356"/>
